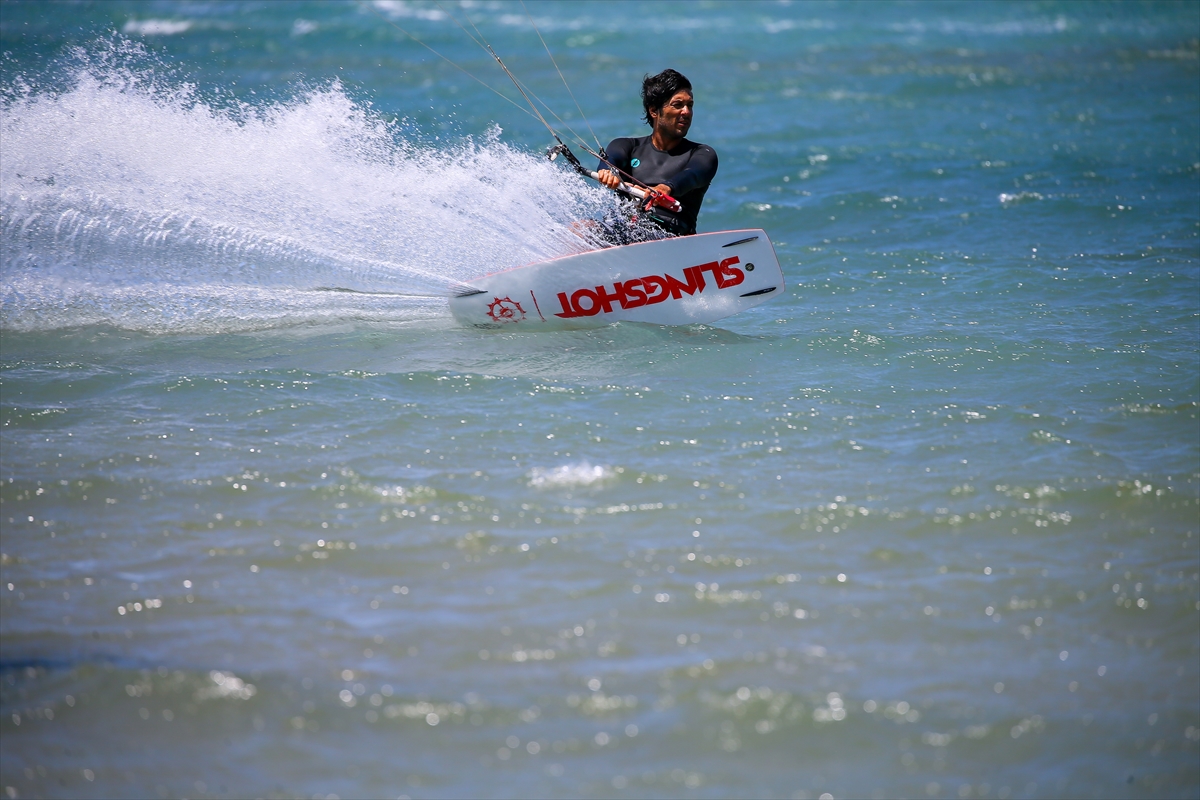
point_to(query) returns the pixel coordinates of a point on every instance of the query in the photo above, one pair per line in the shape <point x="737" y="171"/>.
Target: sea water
<point x="275" y="525"/>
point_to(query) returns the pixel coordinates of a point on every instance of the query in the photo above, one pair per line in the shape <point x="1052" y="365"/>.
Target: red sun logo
<point x="505" y="310"/>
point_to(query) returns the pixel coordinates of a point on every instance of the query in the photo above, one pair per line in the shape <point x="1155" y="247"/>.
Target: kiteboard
<point x="680" y="281"/>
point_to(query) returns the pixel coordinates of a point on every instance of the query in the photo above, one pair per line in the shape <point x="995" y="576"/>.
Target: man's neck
<point x="664" y="143"/>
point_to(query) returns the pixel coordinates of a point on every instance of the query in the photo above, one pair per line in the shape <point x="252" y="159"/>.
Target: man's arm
<point x="618" y="152"/>
<point x="618" y="155"/>
<point x="701" y="169"/>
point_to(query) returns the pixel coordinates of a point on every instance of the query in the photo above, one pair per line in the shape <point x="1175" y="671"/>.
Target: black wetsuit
<point x="688" y="169"/>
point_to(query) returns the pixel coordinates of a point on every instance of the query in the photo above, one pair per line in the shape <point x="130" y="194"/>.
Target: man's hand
<point x="608" y="178"/>
<point x="660" y="195"/>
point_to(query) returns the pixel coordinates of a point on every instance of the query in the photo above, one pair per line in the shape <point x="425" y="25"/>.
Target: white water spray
<point x="139" y="205"/>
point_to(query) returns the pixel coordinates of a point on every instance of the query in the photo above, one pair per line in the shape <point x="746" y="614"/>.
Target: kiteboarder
<point x="666" y="160"/>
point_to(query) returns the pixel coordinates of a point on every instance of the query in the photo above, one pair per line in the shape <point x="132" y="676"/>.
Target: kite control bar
<point x="650" y="197"/>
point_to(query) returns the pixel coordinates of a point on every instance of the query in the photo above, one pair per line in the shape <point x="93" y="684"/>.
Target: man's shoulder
<point x="689" y="145"/>
<point x="628" y="142"/>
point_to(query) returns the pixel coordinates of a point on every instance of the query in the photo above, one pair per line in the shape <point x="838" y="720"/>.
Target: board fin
<point x="768" y="290"/>
<point x="741" y="241"/>
<point x="468" y="291"/>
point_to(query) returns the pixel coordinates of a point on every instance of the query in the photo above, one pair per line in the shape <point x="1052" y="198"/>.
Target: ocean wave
<point x="1007" y="199"/>
<point x="951" y="27"/>
<point x="156" y="27"/>
<point x="569" y="476"/>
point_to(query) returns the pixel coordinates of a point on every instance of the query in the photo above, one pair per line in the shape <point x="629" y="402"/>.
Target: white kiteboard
<point x="680" y="281"/>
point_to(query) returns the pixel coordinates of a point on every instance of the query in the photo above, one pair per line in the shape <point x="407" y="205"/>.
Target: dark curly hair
<point x="657" y="90"/>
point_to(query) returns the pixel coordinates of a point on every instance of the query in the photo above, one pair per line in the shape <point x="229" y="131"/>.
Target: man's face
<point x="675" y="118"/>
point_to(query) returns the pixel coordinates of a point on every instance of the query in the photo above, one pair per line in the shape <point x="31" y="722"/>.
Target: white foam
<point x="156" y="27"/>
<point x="569" y="476"/>
<point x="402" y="9"/>
<point x="226" y="686"/>
<point x="1007" y="199"/>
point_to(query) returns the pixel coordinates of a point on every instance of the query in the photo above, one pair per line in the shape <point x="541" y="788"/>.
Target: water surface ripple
<point x="274" y="525"/>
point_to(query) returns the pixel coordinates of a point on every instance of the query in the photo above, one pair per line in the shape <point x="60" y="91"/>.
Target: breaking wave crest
<point x="569" y="476"/>
<point x="127" y="202"/>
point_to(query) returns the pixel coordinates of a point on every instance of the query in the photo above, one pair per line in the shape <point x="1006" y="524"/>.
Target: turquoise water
<point x="274" y="525"/>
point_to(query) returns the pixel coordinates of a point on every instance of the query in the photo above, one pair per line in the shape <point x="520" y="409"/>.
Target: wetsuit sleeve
<point x="619" y="151"/>
<point x="701" y="169"/>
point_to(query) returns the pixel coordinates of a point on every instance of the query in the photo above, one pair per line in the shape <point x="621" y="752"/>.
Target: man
<point x="666" y="160"/>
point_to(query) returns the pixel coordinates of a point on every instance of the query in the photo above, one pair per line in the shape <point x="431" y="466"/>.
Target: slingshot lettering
<point x="648" y="290"/>
<point x="505" y="310"/>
